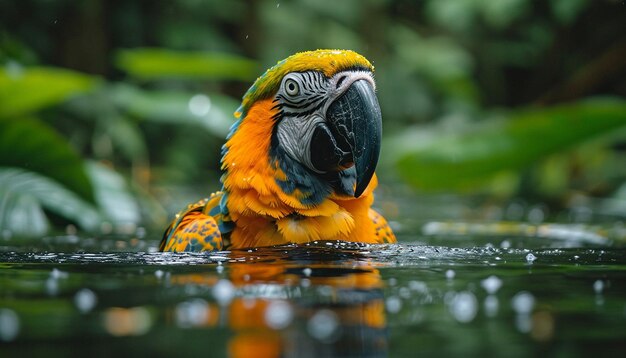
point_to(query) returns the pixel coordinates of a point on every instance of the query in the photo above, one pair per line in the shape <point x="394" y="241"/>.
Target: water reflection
<point x="328" y="305"/>
<point x="322" y="299"/>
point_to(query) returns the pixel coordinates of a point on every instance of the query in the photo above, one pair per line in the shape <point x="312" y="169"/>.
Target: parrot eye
<point x="291" y="87"/>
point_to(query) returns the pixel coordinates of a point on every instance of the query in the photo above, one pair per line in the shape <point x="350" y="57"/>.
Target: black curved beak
<point x="351" y="135"/>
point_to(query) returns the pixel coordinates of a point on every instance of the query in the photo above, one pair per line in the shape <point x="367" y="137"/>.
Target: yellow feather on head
<point x="329" y="62"/>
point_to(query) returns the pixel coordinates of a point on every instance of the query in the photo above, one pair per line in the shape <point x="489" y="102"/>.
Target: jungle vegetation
<point x="112" y="114"/>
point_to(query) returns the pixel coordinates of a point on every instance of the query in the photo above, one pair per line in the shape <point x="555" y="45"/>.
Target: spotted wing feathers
<point x="195" y="229"/>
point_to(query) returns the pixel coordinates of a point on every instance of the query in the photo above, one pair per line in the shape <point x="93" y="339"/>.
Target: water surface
<point x="456" y="289"/>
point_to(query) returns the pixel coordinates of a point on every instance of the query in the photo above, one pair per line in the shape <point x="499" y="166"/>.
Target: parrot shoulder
<point x="202" y="226"/>
<point x="384" y="234"/>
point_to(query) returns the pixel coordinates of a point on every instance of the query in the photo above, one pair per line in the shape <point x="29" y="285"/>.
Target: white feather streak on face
<point x="294" y="135"/>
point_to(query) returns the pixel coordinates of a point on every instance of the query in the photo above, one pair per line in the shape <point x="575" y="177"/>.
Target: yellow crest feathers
<point x="329" y="62"/>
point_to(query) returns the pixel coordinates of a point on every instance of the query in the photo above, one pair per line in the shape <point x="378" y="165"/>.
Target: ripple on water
<point x="390" y="255"/>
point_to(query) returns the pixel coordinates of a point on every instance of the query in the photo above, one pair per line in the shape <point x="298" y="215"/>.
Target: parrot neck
<point x="275" y="200"/>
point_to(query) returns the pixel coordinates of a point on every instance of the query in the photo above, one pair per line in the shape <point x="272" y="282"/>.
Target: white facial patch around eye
<point x="304" y="110"/>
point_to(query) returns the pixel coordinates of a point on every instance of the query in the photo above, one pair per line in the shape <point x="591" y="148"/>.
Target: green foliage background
<point x="112" y="113"/>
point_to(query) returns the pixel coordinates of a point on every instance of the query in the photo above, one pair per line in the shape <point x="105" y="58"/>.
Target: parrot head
<point x="325" y="122"/>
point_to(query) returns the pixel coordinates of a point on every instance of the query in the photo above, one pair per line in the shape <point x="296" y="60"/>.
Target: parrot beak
<point x="351" y="135"/>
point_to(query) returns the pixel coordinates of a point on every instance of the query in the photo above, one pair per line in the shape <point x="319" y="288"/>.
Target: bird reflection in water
<point x="292" y="301"/>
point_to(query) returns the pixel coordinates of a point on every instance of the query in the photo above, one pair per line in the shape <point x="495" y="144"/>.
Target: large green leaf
<point x="23" y="194"/>
<point x="518" y="142"/>
<point x="113" y="197"/>
<point x="31" y="144"/>
<point x="25" y="90"/>
<point x="213" y="112"/>
<point x="153" y="63"/>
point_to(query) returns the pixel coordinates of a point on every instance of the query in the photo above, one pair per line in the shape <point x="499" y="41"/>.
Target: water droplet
<point x="491" y="284"/>
<point x="418" y="286"/>
<point x="52" y="286"/>
<point x="530" y="258"/>
<point x="85" y="300"/>
<point x="450" y="274"/>
<point x="505" y="244"/>
<point x="536" y="215"/>
<point x="464" y="307"/>
<point x="192" y="313"/>
<point x="432" y="228"/>
<point x="9" y="325"/>
<point x="523" y="323"/>
<point x="598" y="286"/>
<point x="278" y="314"/>
<point x="58" y="274"/>
<point x="307" y="272"/>
<point x="404" y="292"/>
<point x="223" y="291"/>
<point x="393" y="304"/>
<point x="127" y="321"/>
<point x="324" y="325"/>
<point x="158" y="274"/>
<point x="491" y="305"/>
<point x="305" y="282"/>
<point x="277" y="5"/>
<point x="219" y="268"/>
<point x="523" y="302"/>
<point x="199" y="105"/>
<point x="246" y="37"/>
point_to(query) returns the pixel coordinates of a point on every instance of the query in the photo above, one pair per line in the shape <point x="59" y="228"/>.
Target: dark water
<point x="457" y="289"/>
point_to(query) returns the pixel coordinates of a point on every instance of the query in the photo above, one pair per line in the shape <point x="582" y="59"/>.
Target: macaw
<point x="298" y="164"/>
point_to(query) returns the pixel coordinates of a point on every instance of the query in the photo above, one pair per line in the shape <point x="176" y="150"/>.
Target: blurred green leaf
<point x="566" y="11"/>
<point x="126" y="135"/>
<point x="30" y="144"/>
<point x="213" y="112"/>
<point x="23" y="194"/>
<point x="26" y="90"/>
<point x="462" y="15"/>
<point x="441" y="60"/>
<point x="525" y="138"/>
<point x="152" y="63"/>
<point x="114" y="197"/>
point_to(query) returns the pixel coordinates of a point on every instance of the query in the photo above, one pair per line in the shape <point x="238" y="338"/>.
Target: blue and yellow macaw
<point x="298" y="163"/>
